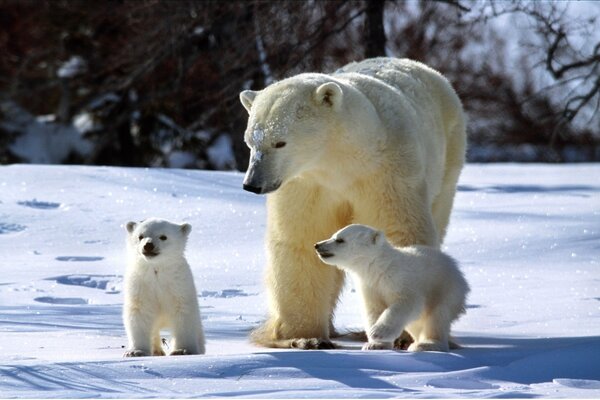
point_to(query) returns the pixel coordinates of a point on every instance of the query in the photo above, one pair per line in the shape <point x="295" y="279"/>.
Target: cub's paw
<point x="135" y="353"/>
<point x="382" y="333"/>
<point x="427" y="346"/>
<point x="312" y="344"/>
<point x="378" y="346"/>
<point x="180" y="352"/>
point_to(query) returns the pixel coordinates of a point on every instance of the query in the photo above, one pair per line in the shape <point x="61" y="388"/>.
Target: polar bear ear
<point x="186" y="229"/>
<point x="247" y="98"/>
<point x="130" y="226"/>
<point x="329" y="94"/>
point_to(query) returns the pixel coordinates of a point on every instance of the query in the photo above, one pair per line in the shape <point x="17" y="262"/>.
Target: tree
<point x="375" y="39"/>
<point x="152" y="82"/>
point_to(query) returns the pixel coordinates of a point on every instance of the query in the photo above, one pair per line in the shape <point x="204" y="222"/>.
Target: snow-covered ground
<point x="527" y="236"/>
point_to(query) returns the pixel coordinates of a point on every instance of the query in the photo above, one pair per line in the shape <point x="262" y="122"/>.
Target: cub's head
<point x="157" y="239"/>
<point x="351" y="247"/>
<point x="288" y="128"/>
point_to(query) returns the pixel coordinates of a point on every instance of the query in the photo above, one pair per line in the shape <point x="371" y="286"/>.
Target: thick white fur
<point x="380" y="142"/>
<point x="416" y="288"/>
<point x="159" y="290"/>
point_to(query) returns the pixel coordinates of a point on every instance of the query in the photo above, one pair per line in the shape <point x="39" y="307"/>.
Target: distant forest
<point x="156" y="83"/>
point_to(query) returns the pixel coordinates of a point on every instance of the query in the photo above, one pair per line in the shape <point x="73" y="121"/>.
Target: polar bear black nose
<point x="148" y="246"/>
<point x="253" y="189"/>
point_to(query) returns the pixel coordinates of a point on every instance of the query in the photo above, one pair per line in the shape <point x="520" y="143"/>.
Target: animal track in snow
<point x="40" y="205"/>
<point x="10" y="228"/>
<point x="111" y="284"/>
<point x="73" y="301"/>
<point x="79" y="258"/>
<point x="226" y="293"/>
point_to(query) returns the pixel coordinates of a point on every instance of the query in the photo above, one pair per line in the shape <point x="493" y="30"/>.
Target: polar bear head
<point x="289" y="125"/>
<point x="351" y="247"/>
<point x="157" y="239"/>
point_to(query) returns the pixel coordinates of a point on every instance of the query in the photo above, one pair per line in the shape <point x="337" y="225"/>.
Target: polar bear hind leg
<point x="435" y="331"/>
<point x="455" y="159"/>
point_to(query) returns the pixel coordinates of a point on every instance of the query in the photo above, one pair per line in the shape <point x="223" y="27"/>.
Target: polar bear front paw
<point x="312" y="344"/>
<point x="378" y="346"/>
<point x="180" y="352"/>
<point x="135" y="353"/>
<point x="382" y="333"/>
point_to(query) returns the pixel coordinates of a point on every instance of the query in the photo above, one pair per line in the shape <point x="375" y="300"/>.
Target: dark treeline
<point x="156" y="83"/>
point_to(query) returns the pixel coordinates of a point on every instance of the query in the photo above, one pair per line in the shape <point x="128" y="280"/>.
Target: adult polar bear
<point x="380" y="142"/>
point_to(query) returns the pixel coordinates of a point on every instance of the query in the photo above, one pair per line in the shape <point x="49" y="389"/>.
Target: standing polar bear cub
<point x="417" y="288"/>
<point x="159" y="290"/>
<point x="380" y="142"/>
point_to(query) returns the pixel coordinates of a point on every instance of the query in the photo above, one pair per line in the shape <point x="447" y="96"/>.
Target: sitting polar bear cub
<point x="159" y="290"/>
<point x="416" y="288"/>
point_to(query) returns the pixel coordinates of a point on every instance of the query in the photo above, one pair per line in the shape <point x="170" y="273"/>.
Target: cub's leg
<point x="373" y="307"/>
<point x="390" y="323"/>
<point x="139" y="327"/>
<point x="186" y="333"/>
<point x="435" y="331"/>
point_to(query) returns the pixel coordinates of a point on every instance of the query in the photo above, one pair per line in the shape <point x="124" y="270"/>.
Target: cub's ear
<point x="329" y="94"/>
<point x="186" y="229"/>
<point x="247" y="98"/>
<point x="130" y="226"/>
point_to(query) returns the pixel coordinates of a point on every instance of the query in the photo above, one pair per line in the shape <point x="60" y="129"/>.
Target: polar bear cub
<point x="416" y="288"/>
<point x="159" y="290"/>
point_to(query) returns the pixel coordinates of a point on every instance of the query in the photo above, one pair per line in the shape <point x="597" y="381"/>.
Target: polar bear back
<point x="419" y="109"/>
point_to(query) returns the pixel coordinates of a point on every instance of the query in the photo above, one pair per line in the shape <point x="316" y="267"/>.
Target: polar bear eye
<point x="340" y="241"/>
<point x="163" y="237"/>
<point x="141" y="237"/>
<point x="279" y="145"/>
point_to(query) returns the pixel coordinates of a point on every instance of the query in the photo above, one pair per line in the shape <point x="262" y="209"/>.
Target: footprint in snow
<point x="72" y="301"/>
<point x="6" y="228"/>
<point x="226" y="293"/>
<point x="40" y="205"/>
<point x="111" y="284"/>
<point x="78" y="258"/>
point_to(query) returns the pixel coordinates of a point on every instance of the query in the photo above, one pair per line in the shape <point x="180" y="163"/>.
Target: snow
<point x="181" y="159"/>
<point x="220" y="153"/>
<point x="84" y="122"/>
<point x="72" y="67"/>
<point x="43" y="141"/>
<point x="527" y="237"/>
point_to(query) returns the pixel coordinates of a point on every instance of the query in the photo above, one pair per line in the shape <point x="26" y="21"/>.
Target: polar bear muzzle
<point x="322" y="250"/>
<point x="255" y="180"/>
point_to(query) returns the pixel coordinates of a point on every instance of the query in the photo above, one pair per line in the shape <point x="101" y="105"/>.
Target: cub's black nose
<point x="253" y="189"/>
<point x="148" y="247"/>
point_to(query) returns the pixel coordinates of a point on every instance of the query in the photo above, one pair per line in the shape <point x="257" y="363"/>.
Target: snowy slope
<point x="527" y="236"/>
